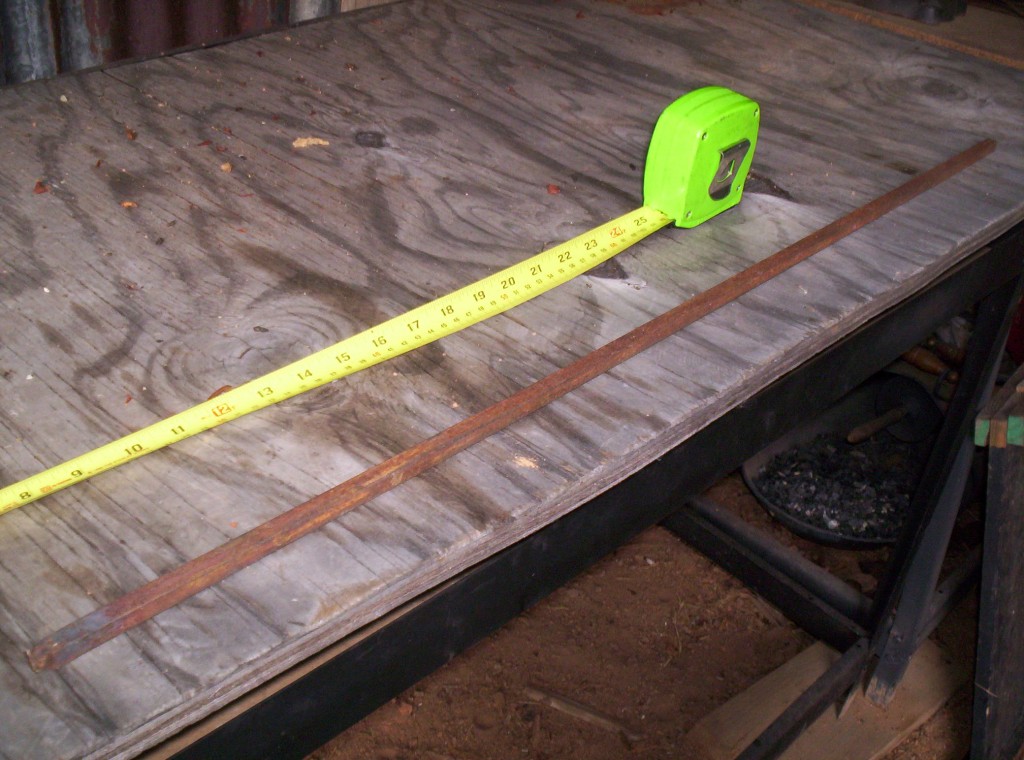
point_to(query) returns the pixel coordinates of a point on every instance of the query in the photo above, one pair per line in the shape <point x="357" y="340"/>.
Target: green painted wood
<point x="1003" y="413"/>
<point x="1015" y="431"/>
<point x="981" y="429"/>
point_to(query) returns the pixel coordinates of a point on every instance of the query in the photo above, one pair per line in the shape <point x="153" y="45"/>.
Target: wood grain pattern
<point x="446" y="121"/>
<point x="981" y="32"/>
<point x="199" y="574"/>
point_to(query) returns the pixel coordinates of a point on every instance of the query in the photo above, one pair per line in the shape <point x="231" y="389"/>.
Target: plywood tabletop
<point x="163" y="236"/>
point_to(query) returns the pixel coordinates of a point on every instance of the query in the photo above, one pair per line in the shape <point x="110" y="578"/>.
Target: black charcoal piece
<point x="859" y="492"/>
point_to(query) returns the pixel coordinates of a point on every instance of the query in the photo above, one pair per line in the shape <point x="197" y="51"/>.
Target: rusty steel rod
<point x="200" y="573"/>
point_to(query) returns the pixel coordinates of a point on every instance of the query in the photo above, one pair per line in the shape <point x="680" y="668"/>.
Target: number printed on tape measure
<point x="443" y="316"/>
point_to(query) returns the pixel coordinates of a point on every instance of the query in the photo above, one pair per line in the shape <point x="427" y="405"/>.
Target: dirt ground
<point x="648" y="641"/>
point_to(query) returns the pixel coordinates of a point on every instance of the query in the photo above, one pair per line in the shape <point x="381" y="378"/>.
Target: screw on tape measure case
<point x="700" y="154"/>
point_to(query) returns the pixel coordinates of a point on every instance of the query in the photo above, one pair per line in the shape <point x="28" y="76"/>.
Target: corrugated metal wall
<point x="41" y="38"/>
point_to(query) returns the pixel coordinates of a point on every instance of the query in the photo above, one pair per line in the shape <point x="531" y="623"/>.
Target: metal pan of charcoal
<point x="846" y="478"/>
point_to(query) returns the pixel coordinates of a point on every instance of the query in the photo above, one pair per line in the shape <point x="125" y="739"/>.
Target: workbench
<point x="164" y="235"/>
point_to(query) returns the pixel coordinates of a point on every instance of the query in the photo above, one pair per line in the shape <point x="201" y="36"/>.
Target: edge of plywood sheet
<point x="994" y="36"/>
<point x="210" y="723"/>
<point x="862" y="732"/>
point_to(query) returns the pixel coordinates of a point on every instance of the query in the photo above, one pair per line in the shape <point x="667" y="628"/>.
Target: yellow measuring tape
<point x="699" y="156"/>
<point x="418" y="327"/>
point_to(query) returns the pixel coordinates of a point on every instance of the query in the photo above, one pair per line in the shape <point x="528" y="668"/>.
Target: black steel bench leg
<point x="903" y="600"/>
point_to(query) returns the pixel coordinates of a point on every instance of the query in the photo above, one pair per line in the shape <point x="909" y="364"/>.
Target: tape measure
<point x="699" y="156"/>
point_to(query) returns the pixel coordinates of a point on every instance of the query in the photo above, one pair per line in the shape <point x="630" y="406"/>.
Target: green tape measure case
<point x="700" y="154"/>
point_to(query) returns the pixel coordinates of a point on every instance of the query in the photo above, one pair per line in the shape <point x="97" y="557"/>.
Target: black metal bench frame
<point x="876" y="636"/>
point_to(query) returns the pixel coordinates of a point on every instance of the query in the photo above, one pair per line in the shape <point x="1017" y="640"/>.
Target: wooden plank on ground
<point x="862" y="732"/>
